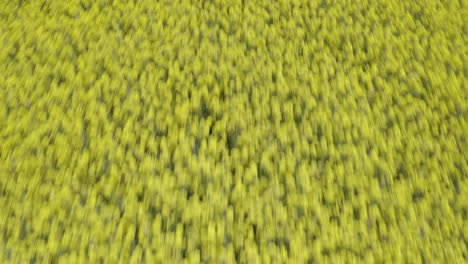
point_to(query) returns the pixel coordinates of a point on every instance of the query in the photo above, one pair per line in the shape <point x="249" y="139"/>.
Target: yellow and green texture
<point x="287" y="131"/>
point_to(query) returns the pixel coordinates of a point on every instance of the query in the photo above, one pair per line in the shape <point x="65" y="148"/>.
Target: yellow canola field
<point x="279" y="131"/>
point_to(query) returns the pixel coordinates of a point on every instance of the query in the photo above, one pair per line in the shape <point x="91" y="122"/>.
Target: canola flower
<point x="280" y="131"/>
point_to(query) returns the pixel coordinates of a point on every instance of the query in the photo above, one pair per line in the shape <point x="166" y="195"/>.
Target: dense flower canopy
<point x="287" y="131"/>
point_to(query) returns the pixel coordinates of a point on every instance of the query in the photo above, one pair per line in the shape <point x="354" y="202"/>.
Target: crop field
<point x="254" y="131"/>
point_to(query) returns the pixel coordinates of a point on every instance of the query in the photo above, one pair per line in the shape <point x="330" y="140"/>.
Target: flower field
<point x="262" y="131"/>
